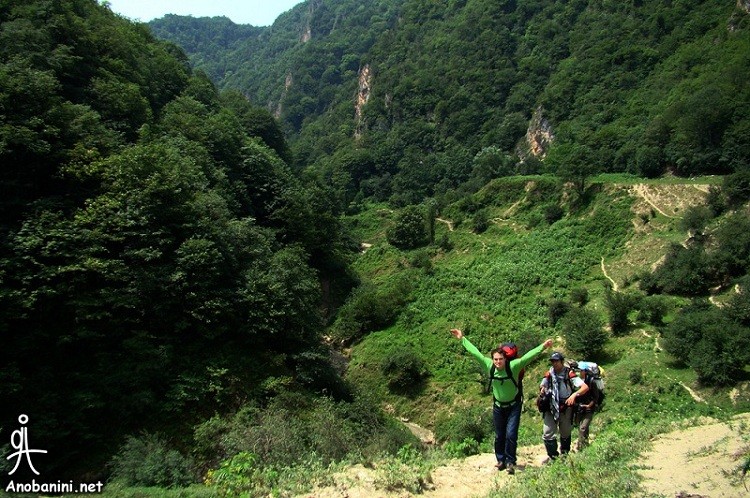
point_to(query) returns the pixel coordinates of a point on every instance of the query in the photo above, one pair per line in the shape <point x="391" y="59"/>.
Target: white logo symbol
<point x="22" y="445"/>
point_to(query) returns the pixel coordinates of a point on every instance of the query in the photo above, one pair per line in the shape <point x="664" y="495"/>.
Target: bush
<point x="556" y="309"/>
<point x="619" y="305"/>
<point x="736" y="188"/>
<point x="469" y="423"/>
<point x="147" y="461"/>
<point x="405" y="371"/>
<point x="696" y="218"/>
<point x="371" y="308"/>
<point x="579" y="296"/>
<point x="553" y="213"/>
<point x="708" y="341"/>
<point x="410" y="229"/>
<point x="583" y="332"/>
<point x="652" y="310"/>
<point x="480" y="222"/>
<point x="685" y="272"/>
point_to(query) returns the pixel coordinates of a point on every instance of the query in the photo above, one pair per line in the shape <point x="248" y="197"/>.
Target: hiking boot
<point x="500" y="466"/>
<point x="511" y="469"/>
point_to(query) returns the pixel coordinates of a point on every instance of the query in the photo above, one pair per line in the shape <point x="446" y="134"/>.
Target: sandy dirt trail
<point x="700" y="461"/>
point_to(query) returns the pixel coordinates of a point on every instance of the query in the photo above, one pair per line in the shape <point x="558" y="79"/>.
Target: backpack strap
<point x="508" y="376"/>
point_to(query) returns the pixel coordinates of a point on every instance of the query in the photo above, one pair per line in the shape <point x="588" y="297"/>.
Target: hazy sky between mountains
<point x="255" y="12"/>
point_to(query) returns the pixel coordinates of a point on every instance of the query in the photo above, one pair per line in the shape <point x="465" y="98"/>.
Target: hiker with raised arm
<point x="506" y="393"/>
<point x="564" y="387"/>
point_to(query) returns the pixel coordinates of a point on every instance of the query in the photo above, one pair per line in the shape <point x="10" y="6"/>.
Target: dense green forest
<point x="644" y="87"/>
<point x="160" y="262"/>
<point x="219" y="273"/>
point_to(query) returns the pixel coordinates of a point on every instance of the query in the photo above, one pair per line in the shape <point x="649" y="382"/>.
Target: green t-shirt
<point x="503" y="391"/>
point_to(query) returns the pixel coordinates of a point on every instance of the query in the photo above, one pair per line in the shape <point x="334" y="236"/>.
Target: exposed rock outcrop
<point x="363" y="95"/>
<point x="539" y="135"/>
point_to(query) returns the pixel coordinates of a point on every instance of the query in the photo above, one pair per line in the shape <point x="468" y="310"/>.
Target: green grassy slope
<point x="496" y="285"/>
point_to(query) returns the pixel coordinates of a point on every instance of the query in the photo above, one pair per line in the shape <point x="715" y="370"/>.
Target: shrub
<point x="696" y="218"/>
<point x="579" y="296"/>
<point x="371" y="308"/>
<point x="732" y="257"/>
<point x="407" y="470"/>
<point x="736" y="188"/>
<point x="713" y="345"/>
<point x="148" y="461"/>
<point x="480" y="222"/>
<point x="619" y="305"/>
<point x="556" y="309"/>
<point x="583" y="332"/>
<point x="467" y="447"/>
<point x="469" y="423"/>
<point x="553" y="213"/>
<point x="405" y="371"/>
<point x="652" y="310"/>
<point x="685" y="272"/>
<point x="445" y="243"/>
<point x="410" y="229"/>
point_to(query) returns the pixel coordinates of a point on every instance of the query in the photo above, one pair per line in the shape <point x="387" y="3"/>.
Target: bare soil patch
<point x="699" y="461"/>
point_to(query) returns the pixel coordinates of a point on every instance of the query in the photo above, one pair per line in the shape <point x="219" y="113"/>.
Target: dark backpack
<point x="595" y="384"/>
<point x="510" y="351"/>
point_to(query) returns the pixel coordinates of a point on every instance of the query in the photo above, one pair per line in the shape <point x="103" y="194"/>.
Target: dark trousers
<point x="506" y="420"/>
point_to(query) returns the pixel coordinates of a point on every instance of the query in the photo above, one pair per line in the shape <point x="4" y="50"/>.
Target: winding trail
<point x="642" y="191"/>
<point x="604" y="270"/>
<point x="447" y="222"/>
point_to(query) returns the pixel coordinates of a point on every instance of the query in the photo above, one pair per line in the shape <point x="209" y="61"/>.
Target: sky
<point x="255" y="12"/>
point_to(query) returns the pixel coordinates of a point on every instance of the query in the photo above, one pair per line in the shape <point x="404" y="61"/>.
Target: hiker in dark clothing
<point x="565" y="387"/>
<point x="506" y="409"/>
<point x="586" y="404"/>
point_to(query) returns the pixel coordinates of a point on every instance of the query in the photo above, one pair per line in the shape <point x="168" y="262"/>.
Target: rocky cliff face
<point x="539" y="135"/>
<point x="363" y="95"/>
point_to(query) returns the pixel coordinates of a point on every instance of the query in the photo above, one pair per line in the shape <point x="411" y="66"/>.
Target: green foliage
<point x="405" y="371"/>
<point x="652" y="309"/>
<point x="584" y="332"/>
<point x="579" y="296"/>
<point x="710" y="342"/>
<point x="557" y="309"/>
<point x="629" y="87"/>
<point x="696" y="218"/>
<point x="463" y="449"/>
<point x="407" y="470"/>
<point x="468" y="424"/>
<point x="409" y="230"/>
<point x="619" y="305"/>
<point x="166" y="261"/>
<point x="736" y="188"/>
<point x="371" y="308"/>
<point x="148" y="461"/>
<point x="684" y="272"/>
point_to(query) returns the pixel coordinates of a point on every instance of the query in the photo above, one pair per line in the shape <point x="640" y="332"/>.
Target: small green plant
<point x="148" y="461"/>
<point x="408" y="470"/>
<point x="462" y="449"/>
<point x="636" y="376"/>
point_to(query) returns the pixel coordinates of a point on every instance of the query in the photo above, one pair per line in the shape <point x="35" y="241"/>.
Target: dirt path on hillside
<point x="471" y="477"/>
<point x="604" y="270"/>
<point x="447" y="222"/>
<point x="701" y="461"/>
<point x="642" y="191"/>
